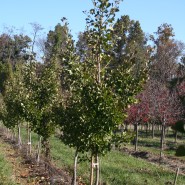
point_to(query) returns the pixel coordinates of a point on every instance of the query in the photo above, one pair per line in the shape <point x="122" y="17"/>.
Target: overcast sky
<point x="150" y="14"/>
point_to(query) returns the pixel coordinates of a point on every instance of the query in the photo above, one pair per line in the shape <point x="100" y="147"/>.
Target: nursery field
<point x="105" y="106"/>
<point x="120" y="166"/>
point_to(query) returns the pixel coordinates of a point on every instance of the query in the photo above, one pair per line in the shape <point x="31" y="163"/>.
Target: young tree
<point x="42" y="90"/>
<point x="14" y="101"/>
<point x="100" y="87"/>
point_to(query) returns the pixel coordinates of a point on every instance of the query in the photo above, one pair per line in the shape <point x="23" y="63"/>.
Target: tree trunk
<point x="149" y="127"/>
<point x="15" y="134"/>
<point x="75" y="168"/>
<point x="136" y="137"/>
<point x="92" y="170"/>
<point x="141" y="127"/>
<point x="38" y="149"/>
<point x="19" y="137"/>
<point x="162" y="140"/>
<point x="29" y="140"/>
<point x="146" y="130"/>
<point x="152" y="130"/>
<point x="97" y="169"/>
<point x="12" y="134"/>
<point x="47" y="152"/>
<point x="30" y="143"/>
<point x="164" y="137"/>
<point x="167" y="130"/>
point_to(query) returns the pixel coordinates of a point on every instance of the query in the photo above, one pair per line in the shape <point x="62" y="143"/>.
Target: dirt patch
<point x="27" y="171"/>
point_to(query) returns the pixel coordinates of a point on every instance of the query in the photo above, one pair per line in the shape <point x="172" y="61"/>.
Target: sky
<point x="150" y="13"/>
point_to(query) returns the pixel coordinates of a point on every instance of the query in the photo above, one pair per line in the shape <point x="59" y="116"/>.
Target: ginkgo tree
<point x="101" y="88"/>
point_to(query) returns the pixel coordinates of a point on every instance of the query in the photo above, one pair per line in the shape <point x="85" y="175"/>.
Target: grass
<point x="153" y="144"/>
<point x="5" y="169"/>
<point x="116" y="168"/>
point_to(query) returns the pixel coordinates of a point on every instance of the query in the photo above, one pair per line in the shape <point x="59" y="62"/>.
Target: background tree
<point x="138" y="114"/>
<point x="14" y="48"/>
<point x="163" y="67"/>
<point x="56" y="42"/>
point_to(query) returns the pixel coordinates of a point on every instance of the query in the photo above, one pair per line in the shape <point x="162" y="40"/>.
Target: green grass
<point x="5" y="172"/>
<point x="153" y="144"/>
<point x="116" y="168"/>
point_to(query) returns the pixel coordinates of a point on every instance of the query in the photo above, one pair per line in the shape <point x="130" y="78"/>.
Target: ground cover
<point x="117" y="167"/>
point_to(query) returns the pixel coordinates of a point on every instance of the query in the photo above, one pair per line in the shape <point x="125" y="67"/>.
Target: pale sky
<point x="150" y="14"/>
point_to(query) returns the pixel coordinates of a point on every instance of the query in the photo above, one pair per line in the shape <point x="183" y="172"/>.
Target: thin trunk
<point x="96" y="157"/>
<point x="75" y="168"/>
<point x="162" y="140"/>
<point x="30" y="143"/>
<point x="164" y="137"/>
<point x="38" y="149"/>
<point x="12" y="135"/>
<point x="167" y="130"/>
<point x="15" y="134"/>
<point x="47" y="150"/>
<point x="152" y="130"/>
<point x="29" y="140"/>
<point x="19" y="137"/>
<point x="92" y="170"/>
<point x="47" y="153"/>
<point x="146" y="129"/>
<point x="97" y="169"/>
<point x="136" y="137"/>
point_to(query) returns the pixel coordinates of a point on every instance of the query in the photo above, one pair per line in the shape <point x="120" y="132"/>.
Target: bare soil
<point x="27" y="171"/>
